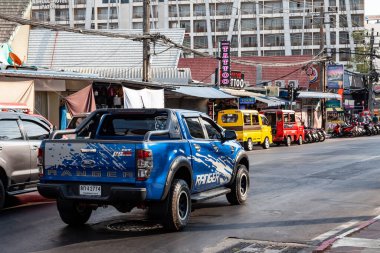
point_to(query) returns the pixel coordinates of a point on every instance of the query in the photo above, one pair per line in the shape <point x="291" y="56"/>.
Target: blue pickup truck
<point x="160" y="159"/>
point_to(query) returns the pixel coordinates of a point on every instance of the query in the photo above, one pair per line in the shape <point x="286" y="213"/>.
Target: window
<point x="132" y="125"/>
<point x="212" y="131"/>
<point x="247" y="119"/>
<point x="137" y="25"/>
<point x="286" y="118"/>
<point x="248" y="25"/>
<point x="35" y="131"/>
<point x="255" y="119"/>
<point x="292" y="117"/>
<point x="200" y="42"/>
<point x="249" y="41"/>
<point x="137" y="11"/>
<point x="229" y="118"/>
<point x="116" y="1"/>
<point x="199" y="10"/>
<point x="248" y="8"/>
<point x="9" y="130"/>
<point x="200" y="26"/>
<point x="195" y="128"/>
<point x="264" y="120"/>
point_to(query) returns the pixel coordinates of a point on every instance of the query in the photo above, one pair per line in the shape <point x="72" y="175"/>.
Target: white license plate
<point x="90" y="190"/>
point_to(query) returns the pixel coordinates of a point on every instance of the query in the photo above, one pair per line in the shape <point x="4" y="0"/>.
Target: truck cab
<point x="286" y="127"/>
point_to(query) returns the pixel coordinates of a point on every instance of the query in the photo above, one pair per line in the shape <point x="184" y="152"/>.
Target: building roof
<point x="62" y="50"/>
<point x="10" y="7"/>
<point x="65" y="75"/>
<point x="160" y="75"/>
<point x="202" y="69"/>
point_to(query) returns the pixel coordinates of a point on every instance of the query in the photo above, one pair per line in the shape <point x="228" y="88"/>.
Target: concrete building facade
<point x="254" y="27"/>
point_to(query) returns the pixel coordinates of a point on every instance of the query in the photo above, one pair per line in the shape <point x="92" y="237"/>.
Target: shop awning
<point x="268" y="100"/>
<point x="283" y="101"/>
<point x="315" y="94"/>
<point x="202" y="92"/>
<point x="241" y="93"/>
<point x="334" y="110"/>
<point x="258" y="96"/>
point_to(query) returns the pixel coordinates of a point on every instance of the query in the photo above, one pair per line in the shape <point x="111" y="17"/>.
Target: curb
<point x="329" y="242"/>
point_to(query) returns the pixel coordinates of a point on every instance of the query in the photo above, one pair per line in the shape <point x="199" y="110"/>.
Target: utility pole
<point x="323" y="63"/>
<point x="146" y="41"/>
<point x="370" y="77"/>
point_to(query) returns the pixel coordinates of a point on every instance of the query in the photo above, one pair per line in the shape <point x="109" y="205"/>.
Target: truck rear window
<point x="229" y="118"/>
<point x="132" y="124"/>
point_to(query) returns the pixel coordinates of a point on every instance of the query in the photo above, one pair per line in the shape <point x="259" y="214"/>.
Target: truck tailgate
<point x="90" y="162"/>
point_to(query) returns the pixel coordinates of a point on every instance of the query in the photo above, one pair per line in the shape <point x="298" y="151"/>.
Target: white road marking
<point x="357" y="242"/>
<point x="335" y="231"/>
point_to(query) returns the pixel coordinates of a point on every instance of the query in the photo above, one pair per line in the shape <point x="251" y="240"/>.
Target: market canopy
<point x="315" y="94"/>
<point x="203" y="92"/>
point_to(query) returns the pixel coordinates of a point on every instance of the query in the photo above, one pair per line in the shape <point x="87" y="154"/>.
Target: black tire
<point x="288" y="141"/>
<point x="178" y="204"/>
<point x="2" y="195"/>
<point x="300" y="140"/>
<point x="248" y="145"/>
<point x="240" y="187"/>
<point x="266" y="143"/>
<point x="73" y="213"/>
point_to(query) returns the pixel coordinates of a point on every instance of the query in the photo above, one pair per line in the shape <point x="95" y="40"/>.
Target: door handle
<point x="1" y="148"/>
<point x="215" y="148"/>
<point x="197" y="147"/>
<point x="34" y="147"/>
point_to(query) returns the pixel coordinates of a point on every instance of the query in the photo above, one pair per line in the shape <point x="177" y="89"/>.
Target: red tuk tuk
<point x="286" y="127"/>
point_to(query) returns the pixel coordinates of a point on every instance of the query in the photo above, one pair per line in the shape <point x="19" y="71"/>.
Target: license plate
<point x="90" y="190"/>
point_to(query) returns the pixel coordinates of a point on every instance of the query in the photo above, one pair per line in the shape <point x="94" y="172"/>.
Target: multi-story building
<point x="254" y="27"/>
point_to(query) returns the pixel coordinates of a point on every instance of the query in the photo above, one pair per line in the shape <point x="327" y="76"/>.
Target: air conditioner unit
<point x="266" y="83"/>
<point x="280" y="83"/>
<point x="293" y="83"/>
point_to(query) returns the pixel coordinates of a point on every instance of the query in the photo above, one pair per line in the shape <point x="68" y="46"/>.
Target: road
<point x="298" y="193"/>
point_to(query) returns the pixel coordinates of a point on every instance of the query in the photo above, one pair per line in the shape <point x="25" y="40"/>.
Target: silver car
<point x="20" y="137"/>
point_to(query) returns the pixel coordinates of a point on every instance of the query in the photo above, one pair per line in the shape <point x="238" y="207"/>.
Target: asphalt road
<point x="297" y="193"/>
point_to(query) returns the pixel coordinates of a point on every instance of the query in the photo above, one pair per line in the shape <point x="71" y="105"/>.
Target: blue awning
<point x="202" y="92"/>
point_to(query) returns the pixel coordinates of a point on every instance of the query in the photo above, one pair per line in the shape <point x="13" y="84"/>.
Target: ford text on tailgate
<point x="161" y="159"/>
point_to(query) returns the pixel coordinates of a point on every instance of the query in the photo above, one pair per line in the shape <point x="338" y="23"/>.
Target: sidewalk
<point x="364" y="238"/>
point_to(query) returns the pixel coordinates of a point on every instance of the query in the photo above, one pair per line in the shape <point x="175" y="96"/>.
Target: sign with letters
<point x="225" y="64"/>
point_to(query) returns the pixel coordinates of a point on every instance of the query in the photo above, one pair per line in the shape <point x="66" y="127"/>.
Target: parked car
<point x="163" y="159"/>
<point x="14" y="107"/>
<point x="286" y="127"/>
<point x="250" y="127"/>
<point x="76" y="120"/>
<point x="20" y="137"/>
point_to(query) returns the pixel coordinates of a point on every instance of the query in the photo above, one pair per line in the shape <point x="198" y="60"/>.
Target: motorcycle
<point x="322" y="134"/>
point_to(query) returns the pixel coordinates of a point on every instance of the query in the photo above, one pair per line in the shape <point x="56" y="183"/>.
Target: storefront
<point x="205" y="99"/>
<point x="312" y="105"/>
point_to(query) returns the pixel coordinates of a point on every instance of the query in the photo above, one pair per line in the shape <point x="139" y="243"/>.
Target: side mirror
<point x="229" y="135"/>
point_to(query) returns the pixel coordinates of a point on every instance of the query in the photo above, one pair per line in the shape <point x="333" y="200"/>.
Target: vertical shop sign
<point x="225" y="69"/>
<point x="335" y="76"/>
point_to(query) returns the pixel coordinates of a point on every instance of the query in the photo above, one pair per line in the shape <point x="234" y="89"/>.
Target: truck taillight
<point x="144" y="163"/>
<point x="40" y="158"/>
